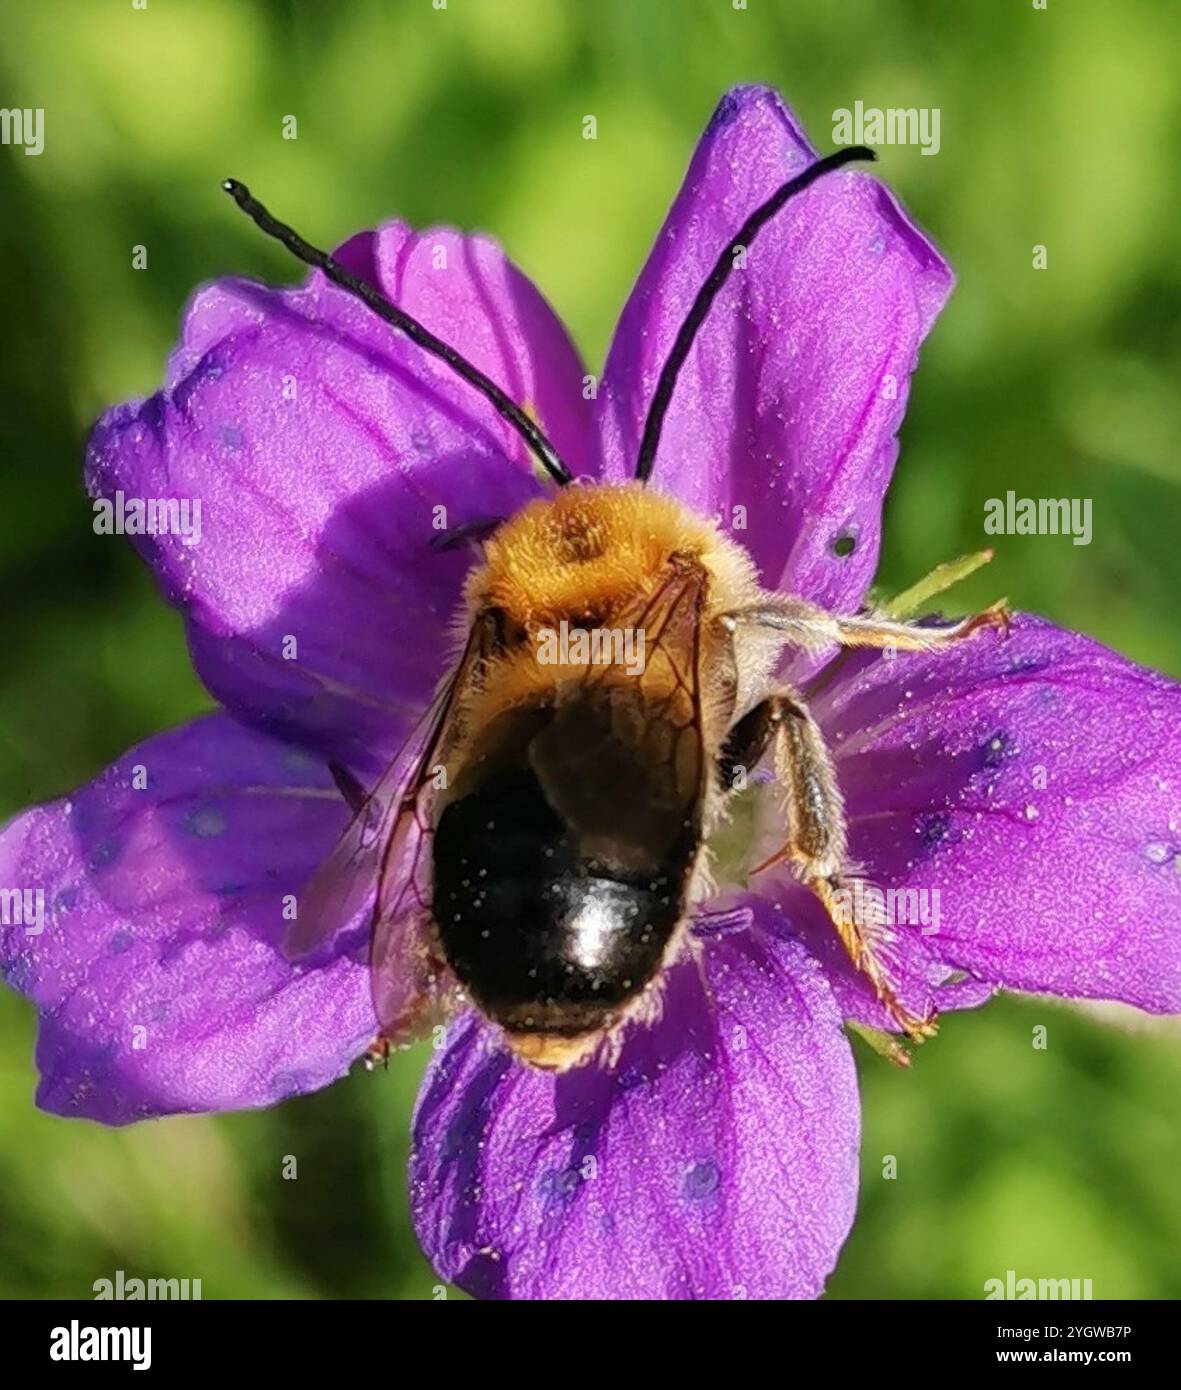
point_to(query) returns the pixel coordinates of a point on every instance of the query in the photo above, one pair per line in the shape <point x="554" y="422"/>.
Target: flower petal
<point x="922" y="980"/>
<point x="716" y="1159"/>
<point x="327" y="452"/>
<point x="158" y="972"/>
<point x="1034" y="785"/>
<point x="789" y="402"/>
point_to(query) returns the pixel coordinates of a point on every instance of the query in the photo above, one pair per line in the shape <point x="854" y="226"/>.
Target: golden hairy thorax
<point x="587" y="552"/>
<point x="604" y="557"/>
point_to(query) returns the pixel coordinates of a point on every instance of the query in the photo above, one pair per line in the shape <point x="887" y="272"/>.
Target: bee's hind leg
<point x="817" y="843"/>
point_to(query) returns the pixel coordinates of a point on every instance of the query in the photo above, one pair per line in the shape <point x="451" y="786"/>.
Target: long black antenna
<point x="508" y="410"/>
<point x="709" y="292"/>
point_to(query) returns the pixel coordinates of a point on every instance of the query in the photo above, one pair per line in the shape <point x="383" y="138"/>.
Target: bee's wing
<point x="405" y="967"/>
<point x="670" y="679"/>
<point x="643" y="730"/>
<point x="381" y="864"/>
<point x="344" y="886"/>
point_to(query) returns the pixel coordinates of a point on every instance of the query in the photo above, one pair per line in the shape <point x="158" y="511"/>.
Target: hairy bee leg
<point x="806" y="625"/>
<point x="746" y="743"/>
<point x="835" y="893"/>
<point x="818" y="845"/>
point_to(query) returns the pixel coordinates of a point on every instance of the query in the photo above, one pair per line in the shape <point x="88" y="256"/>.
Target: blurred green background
<point x="1059" y="128"/>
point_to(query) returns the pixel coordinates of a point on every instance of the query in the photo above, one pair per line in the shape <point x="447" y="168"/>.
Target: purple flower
<point x="1035" y="783"/>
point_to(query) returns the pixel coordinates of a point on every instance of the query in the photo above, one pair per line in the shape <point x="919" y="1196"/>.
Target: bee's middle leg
<point x="817" y="845"/>
<point x="805" y="625"/>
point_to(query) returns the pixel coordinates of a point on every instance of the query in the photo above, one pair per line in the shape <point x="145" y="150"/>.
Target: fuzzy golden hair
<point x="586" y="551"/>
<point x="587" y="556"/>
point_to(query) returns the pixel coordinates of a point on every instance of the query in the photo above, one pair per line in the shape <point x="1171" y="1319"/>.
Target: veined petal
<point x="327" y="452"/>
<point x="788" y="405"/>
<point x="922" y="980"/>
<point x="1031" y="790"/>
<point x="717" y="1158"/>
<point x="166" y="886"/>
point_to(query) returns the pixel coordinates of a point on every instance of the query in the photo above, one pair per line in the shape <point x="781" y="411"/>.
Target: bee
<point x="540" y="844"/>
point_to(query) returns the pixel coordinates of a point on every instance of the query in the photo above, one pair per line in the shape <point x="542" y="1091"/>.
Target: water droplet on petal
<point x="205" y="822"/>
<point x="701" y="1180"/>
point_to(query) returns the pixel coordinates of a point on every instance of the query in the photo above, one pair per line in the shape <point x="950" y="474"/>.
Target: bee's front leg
<point x="817" y="844"/>
<point x="805" y="625"/>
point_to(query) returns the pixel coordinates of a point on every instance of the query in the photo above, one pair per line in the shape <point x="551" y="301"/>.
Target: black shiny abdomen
<point x="545" y="939"/>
